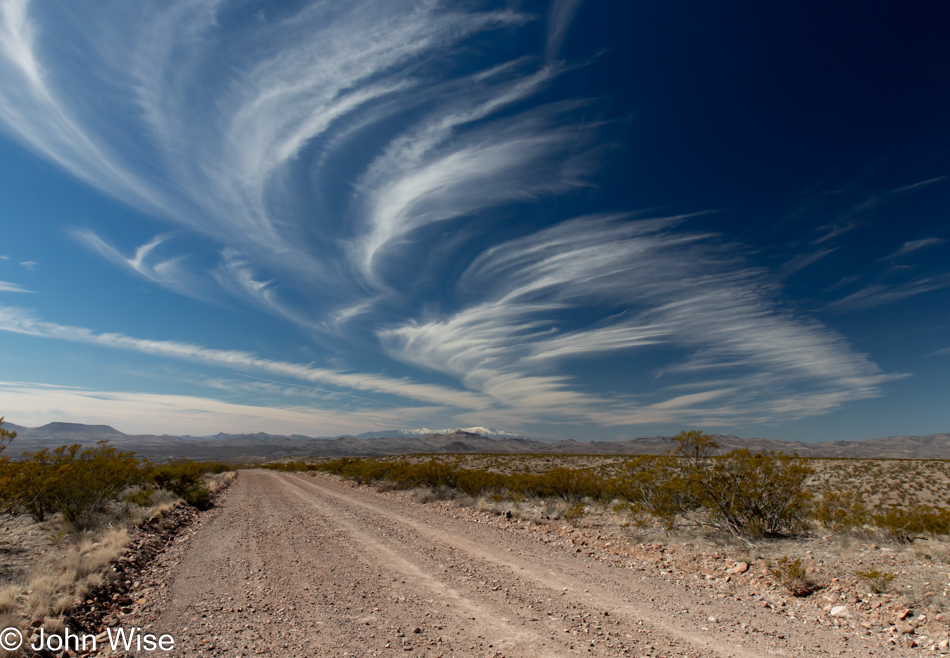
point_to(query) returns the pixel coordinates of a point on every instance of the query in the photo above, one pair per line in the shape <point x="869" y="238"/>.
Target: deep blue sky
<point x="576" y="220"/>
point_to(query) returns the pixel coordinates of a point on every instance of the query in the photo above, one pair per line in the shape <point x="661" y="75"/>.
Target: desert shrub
<point x="758" y="494"/>
<point x="476" y="482"/>
<point x="575" y="513"/>
<point x="141" y="496"/>
<point x="657" y="486"/>
<point x="791" y="575"/>
<point x="750" y="494"/>
<point x="289" y="467"/>
<point x="198" y="497"/>
<point x="572" y="485"/>
<point x="73" y="481"/>
<point x="433" y="474"/>
<point x="186" y="480"/>
<point x="905" y="524"/>
<point x="841" y="511"/>
<point x="365" y="471"/>
<point x="876" y="580"/>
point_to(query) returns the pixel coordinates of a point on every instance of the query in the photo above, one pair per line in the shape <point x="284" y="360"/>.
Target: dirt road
<point x="292" y="565"/>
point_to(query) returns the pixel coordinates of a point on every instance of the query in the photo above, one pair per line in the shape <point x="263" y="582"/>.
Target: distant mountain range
<point x="422" y="431"/>
<point x="262" y="446"/>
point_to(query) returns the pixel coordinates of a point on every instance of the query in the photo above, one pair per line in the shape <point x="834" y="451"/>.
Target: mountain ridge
<point x="262" y="446"/>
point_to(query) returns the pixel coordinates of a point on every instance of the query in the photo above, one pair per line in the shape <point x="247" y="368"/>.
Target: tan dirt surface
<point x="291" y="565"/>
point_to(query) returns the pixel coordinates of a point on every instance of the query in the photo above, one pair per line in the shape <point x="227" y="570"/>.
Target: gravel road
<point x="291" y="565"/>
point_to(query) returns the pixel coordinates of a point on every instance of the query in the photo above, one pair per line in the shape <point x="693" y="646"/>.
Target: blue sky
<point x="569" y="219"/>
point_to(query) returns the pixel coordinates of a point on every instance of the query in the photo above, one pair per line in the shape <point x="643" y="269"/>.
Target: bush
<point x="199" y="498"/>
<point x="791" y="575"/>
<point x="877" y="581"/>
<point x="476" y="482"/>
<point x="841" y="511"/>
<point x="73" y="481"/>
<point x="750" y="494"/>
<point x="186" y="480"/>
<point x="904" y="525"/>
<point x="141" y="497"/>
<point x="657" y="486"/>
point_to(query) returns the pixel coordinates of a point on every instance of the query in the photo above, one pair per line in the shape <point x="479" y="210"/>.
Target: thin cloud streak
<point x="6" y="286"/>
<point x="560" y="16"/>
<point x="880" y="294"/>
<point x="168" y="272"/>
<point x="17" y="320"/>
<point x="915" y="245"/>
<point x="32" y="404"/>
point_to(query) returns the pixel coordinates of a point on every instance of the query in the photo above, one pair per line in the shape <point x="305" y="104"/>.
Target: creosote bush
<point x="745" y="493"/>
<point x="186" y="480"/>
<point x="877" y="581"/>
<point x="791" y="575"/>
<point x="74" y="481"/>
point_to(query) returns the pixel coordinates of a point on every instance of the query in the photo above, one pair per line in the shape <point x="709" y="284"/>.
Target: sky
<point x="586" y="220"/>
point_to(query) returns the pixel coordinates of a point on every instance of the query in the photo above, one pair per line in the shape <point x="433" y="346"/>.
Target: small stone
<point x="840" y="611"/>
<point x="712" y="620"/>
<point x="741" y="567"/>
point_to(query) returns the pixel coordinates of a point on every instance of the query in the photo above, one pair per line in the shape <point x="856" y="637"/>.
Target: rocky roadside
<point x="913" y="614"/>
<point x="106" y="607"/>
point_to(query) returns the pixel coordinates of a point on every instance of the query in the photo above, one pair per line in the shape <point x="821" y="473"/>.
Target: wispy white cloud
<point x="915" y="245"/>
<point x="680" y="290"/>
<point x="216" y="124"/>
<point x="6" y="286"/>
<point x="801" y="261"/>
<point x="879" y="294"/>
<point x="858" y="214"/>
<point x="560" y="17"/>
<point x="168" y="272"/>
<point x="33" y="404"/>
<point x="29" y="264"/>
<point x="18" y="320"/>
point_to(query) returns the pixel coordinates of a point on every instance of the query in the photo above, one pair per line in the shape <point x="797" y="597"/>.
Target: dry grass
<point x="62" y="577"/>
<point x="9" y="620"/>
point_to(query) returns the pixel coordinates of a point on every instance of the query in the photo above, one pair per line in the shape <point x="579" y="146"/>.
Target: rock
<point x="741" y="567"/>
<point x="905" y="629"/>
<point x="840" y="611"/>
<point x="903" y="613"/>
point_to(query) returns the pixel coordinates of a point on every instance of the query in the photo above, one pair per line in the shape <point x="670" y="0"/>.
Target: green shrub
<point x="199" y="498"/>
<point x="791" y="575"/>
<point x="877" y="581"/>
<point x="575" y="513"/>
<point x="73" y="481"/>
<point x="186" y="480"/>
<point x="841" y="511"/>
<point x="476" y="482"/>
<point x="750" y="494"/>
<point x="141" y="497"/>
<point x="904" y="525"/>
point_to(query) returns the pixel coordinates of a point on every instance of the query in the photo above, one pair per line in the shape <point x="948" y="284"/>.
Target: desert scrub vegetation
<point x="750" y="495"/>
<point x="745" y="495"/>
<point x="66" y="513"/>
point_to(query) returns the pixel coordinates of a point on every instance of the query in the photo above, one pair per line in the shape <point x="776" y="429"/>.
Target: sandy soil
<point x="291" y="565"/>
